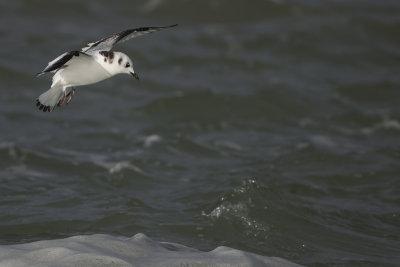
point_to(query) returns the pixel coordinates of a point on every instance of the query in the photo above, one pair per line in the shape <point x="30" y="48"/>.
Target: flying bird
<point x="92" y="64"/>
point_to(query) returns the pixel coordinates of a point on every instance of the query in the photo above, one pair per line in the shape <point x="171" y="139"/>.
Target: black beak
<point x="134" y="74"/>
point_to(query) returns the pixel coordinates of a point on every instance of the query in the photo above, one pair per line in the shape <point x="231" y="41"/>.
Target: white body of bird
<point x="92" y="64"/>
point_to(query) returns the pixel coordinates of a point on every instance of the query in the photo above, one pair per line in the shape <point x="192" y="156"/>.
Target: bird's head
<point x="124" y="64"/>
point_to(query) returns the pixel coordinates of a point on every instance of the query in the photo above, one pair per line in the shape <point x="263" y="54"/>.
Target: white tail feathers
<point x="49" y="99"/>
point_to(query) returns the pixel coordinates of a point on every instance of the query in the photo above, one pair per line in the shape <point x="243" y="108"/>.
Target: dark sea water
<point x="267" y="126"/>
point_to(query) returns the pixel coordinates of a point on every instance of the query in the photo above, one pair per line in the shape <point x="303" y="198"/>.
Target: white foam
<point x="151" y="139"/>
<point x="139" y="250"/>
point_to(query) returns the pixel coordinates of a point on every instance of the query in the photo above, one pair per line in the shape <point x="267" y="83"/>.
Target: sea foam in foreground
<point x="139" y="250"/>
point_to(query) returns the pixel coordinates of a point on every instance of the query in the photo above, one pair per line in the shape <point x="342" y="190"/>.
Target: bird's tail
<point x="49" y="99"/>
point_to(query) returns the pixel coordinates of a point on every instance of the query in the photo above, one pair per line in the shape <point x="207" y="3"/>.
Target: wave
<point x="139" y="250"/>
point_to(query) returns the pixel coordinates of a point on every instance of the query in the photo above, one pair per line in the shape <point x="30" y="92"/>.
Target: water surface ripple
<point x="271" y="127"/>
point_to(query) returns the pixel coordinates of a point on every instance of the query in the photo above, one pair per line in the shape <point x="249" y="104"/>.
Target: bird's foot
<point x="70" y="95"/>
<point x="62" y="100"/>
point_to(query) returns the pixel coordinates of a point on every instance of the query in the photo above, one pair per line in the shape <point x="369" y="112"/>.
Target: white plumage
<point x="92" y="64"/>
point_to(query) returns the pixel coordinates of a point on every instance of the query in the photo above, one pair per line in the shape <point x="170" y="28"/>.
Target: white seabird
<point x="92" y="64"/>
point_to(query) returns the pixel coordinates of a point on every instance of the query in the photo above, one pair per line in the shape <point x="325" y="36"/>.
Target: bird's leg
<point x="62" y="100"/>
<point x="70" y="95"/>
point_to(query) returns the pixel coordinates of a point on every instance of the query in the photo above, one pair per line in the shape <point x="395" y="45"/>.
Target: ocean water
<point x="270" y="127"/>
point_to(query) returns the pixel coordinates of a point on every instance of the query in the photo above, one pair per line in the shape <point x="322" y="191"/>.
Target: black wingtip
<point x="166" y="27"/>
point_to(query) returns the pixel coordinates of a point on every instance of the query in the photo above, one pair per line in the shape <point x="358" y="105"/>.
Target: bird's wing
<point x="62" y="60"/>
<point x="107" y="43"/>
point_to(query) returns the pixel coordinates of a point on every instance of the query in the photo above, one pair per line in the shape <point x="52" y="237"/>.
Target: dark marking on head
<point x="104" y="53"/>
<point x="111" y="56"/>
<point x="107" y="55"/>
<point x="120" y="61"/>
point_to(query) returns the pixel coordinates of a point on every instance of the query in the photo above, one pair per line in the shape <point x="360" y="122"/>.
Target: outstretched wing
<point x="107" y="43"/>
<point x="60" y="61"/>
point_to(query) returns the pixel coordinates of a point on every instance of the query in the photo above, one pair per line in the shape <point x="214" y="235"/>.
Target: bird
<point x="93" y="63"/>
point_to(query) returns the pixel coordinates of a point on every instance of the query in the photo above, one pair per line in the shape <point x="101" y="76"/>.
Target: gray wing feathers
<point x="107" y="43"/>
<point x="60" y="61"/>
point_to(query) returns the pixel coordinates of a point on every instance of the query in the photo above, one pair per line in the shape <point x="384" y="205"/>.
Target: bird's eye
<point x="127" y="65"/>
